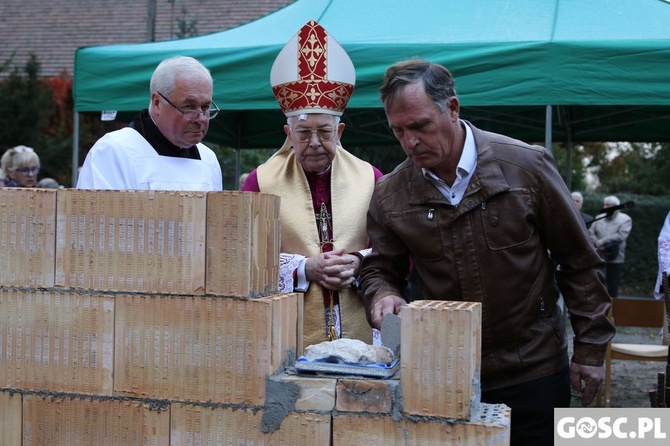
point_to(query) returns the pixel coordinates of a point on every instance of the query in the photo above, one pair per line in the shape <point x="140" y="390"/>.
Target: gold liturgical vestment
<point x="351" y="185"/>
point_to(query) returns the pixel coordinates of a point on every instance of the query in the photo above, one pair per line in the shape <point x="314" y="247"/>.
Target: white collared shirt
<point x="464" y="170"/>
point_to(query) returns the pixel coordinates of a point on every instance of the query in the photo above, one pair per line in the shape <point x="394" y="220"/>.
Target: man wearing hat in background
<point x="325" y="191"/>
<point x="609" y="233"/>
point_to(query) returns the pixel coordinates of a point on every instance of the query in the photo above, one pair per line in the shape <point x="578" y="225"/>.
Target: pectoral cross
<point x="324" y="221"/>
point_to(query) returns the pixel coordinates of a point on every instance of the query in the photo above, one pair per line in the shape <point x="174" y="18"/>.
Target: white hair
<point x="17" y="157"/>
<point x="578" y="196"/>
<point x="614" y="200"/>
<point x="165" y="75"/>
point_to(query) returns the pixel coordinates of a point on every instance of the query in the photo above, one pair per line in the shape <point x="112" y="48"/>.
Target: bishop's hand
<point x="334" y="270"/>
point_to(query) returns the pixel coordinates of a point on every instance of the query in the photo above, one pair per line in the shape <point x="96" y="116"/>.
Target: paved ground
<point x="632" y="380"/>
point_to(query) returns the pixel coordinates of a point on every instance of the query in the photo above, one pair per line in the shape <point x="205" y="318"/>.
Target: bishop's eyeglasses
<point x="304" y="135"/>
<point x="193" y="114"/>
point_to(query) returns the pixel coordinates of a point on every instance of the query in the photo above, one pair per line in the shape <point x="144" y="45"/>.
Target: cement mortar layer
<point x="476" y="399"/>
<point x="281" y="396"/>
<point x="92" y="292"/>
<point x="491" y="414"/>
<point x="151" y="403"/>
<point x="280" y="399"/>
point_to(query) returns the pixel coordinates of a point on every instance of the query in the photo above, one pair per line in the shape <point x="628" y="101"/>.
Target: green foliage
<point x="637" y="168"/>
<point x="7" y="64"/>
<point x="249" y="160"/>
<point x="25" y="107"/>
<point x="383" y="158"/>
<point x="579" y="160"/>
<point x="56" y="158"/>
<point x="648" y="214"/>
<point x="37" y="112"/>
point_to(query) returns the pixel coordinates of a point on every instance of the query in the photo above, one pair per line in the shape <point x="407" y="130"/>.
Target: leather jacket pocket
<point x="420" y="231"/>
<point x="507" y="220"/>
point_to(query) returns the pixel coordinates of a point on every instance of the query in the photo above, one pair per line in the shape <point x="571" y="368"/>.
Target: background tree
<point x="186" y="27"/>
<point x="37" y="112"/>
<point x="638" y="168"/>
<point x="25" y="107"/>
<point x="56" y="152"/>
<point x="384" y="158"/>
<point x="582" y="155"/>
<point x="249" y="160"/>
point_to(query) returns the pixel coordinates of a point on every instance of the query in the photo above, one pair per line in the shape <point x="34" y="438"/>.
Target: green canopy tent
<point x="534" y="69"/>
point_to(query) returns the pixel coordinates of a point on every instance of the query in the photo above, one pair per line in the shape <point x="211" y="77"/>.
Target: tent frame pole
<point x="75" y="148"/>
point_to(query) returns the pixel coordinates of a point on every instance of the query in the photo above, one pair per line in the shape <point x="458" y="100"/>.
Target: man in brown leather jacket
<point x="487" y="218"/>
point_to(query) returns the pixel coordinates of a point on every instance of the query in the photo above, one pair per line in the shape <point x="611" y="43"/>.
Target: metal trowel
<point x="391" y="333"/>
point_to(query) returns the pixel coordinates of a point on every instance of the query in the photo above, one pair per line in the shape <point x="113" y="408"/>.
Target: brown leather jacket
<point x="512" y="243"/>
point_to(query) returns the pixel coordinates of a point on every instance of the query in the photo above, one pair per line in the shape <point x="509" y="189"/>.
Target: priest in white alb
<point x="161" y="149"/>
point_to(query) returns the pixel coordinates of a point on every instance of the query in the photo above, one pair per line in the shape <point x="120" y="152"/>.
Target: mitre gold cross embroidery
<point x="312" y="50"/>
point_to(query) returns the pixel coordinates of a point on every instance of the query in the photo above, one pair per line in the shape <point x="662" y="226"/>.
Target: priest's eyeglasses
<point x="304" y="135"/>
<point x="193" y="114"/>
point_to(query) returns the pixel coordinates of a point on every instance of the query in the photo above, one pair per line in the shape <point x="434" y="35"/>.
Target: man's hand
<point x="387" y="304"/>
<point x="334" y="270"/>
<point x="586" y="379"/>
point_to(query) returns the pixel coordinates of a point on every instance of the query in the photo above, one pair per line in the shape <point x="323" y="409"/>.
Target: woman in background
<point x="20" y="166"/>
<point x="663" y="258"/>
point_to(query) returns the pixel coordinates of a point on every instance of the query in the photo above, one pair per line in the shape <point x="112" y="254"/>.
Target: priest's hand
<point x="334" y="270"/>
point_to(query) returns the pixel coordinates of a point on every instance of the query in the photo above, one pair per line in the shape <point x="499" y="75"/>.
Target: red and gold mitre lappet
<point x="312" y="73"/>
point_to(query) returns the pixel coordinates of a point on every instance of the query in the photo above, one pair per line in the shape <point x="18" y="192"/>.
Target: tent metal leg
<point x="75" y="148"/>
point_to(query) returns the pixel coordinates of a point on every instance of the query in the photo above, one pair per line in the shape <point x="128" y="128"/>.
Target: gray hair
<point x="578" y="196"/>
<point x="16" y="157"/>
<point x="612" y="199"/>
<point x="437" y="81"/>
<point x="49" y="183"/>
<point x="165" y="75"/>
